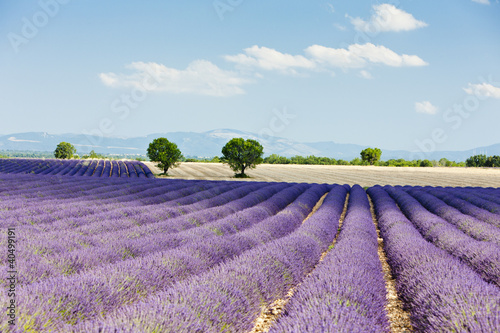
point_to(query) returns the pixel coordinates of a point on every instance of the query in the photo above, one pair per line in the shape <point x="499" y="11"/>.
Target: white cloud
<point x="425" y="107"/>
<point x="365" y="74"/>
<point x="330" y="8"/>
<point x="483" y="90"/>
<point x="204" y="78"/>
<point x="388" y="18"/>
<point x="360" y="55"/>
<point x="270" y="59"/>
<point x="200" y="77"/>
<point x="483" y="2"/>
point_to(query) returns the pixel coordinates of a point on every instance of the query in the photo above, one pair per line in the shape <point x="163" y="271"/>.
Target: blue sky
<point x="412" y="75"/>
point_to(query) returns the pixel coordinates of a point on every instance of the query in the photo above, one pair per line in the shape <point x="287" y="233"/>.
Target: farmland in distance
<point x="337" y="174"/>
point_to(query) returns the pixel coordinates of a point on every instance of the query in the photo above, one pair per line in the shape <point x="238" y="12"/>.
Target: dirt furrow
<point x="399" y="319"/>
<point x="270" y="314"/>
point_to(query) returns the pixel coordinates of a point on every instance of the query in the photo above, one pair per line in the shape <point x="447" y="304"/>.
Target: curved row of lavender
<point x="108" y="253"/>
<point x="482" y="256"/>
<point x="442" y="293"/>
<point x="465" y="206"/>
<point x="479" y="198"/>
<point x="94" y="168"/>
<point x="470" y="225"/>
<point x="229" y="297"/>
<point x="70" y="257"/>
<point x="278" y="195"/>
<point x="346" y="292"/>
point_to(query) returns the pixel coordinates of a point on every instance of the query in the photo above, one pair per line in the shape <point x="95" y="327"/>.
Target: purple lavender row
<point x="79" y="216"/>
<point x="28" y="166"/>
<point x="49" y="181"/>
<point x="58" y="185"/>
<point x="466" y="207"/>
<point x="491" y="196"/>
<point x="161" y="242"/>
<point x="95" y="168"/>
<point x="23" y="166"/>
<point x="117" y="191"/>
<point x="182" y="201"/>
<point x="346" y="292"/>
<point x="29" y="236"/>
<point x="41" y="188"/>
<point x="98" y="221"/>
<point x="474" y="198"/>
<point x="33" y="196"/>
<point x="62" y="168"/>
<point x="482" y="256"/>
<point x="147" y="171"/>
<point x="176" y="194"/>
<point x="70" y="253"/>
<point x="104" y="213"/>
<point x="229" y="297"/>
<point x="473" y="227"/>
<point x="133" y="280"/>
<point x="441" y="292"/>
<point x="46" y="212"/>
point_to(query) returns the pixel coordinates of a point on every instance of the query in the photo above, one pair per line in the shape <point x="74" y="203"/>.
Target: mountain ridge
<point x="209" y="144"/>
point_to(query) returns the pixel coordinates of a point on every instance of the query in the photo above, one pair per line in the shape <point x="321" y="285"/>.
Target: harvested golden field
<point x="339" y="174"/>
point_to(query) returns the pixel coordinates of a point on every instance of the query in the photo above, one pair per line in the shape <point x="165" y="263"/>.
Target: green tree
<point x="165" y="153"/>
<point x="493" y="161"/>
<point x="476" y="161"/>
<point x="64" y="150"/>
<point x="371" y="155"/>
<point x="93" y="154"/>
<point x="425" y="163"/>
<point x="241" y="154"/>
<point x="357" y="161"/>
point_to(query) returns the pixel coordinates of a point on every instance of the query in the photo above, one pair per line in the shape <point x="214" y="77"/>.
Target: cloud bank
<point x="201" y="77"/>
<point x="387" y="17"/>
<point x="483" y="90"/>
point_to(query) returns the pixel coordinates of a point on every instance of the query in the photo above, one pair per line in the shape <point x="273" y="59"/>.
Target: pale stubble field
<point x="339" y="174"/>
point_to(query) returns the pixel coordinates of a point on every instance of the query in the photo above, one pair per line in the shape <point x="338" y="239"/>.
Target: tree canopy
<point x="483" y="161"/>
<point x="426" y="163"/>
<point x="64" y="150"/>
<point x="241" y="154"/>
<point x="371" y="155"/>
<point x="165" y="153"/>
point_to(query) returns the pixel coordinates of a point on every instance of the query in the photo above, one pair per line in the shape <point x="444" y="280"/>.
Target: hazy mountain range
<point x="209" y="144"/>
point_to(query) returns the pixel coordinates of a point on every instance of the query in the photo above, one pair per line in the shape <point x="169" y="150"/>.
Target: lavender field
<point x="93" y="168"/>
<point x="110" y="253"/>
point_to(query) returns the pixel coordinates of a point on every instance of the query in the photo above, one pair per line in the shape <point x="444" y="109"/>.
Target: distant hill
<point x="209" y="144"/>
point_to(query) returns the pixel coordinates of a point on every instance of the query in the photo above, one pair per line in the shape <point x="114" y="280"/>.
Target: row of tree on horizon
<point x="480" y="160"/>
